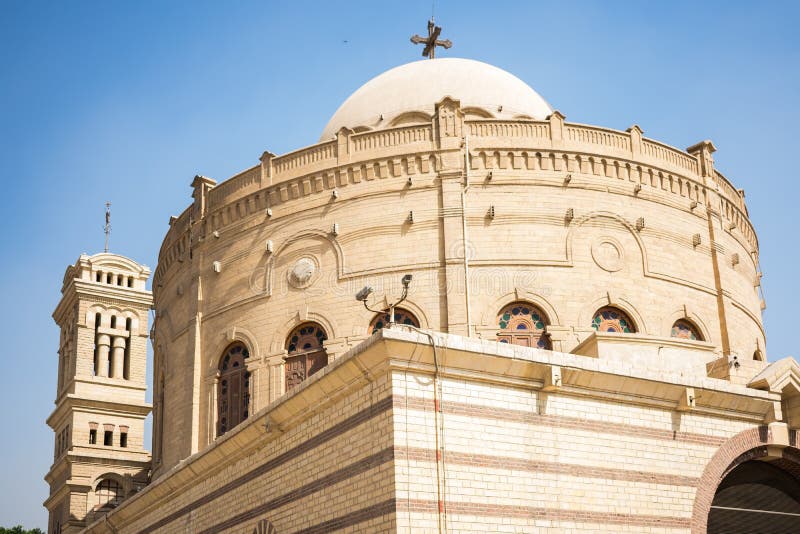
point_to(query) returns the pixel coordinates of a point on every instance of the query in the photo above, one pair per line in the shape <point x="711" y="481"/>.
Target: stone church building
<point x="580" y="347"/>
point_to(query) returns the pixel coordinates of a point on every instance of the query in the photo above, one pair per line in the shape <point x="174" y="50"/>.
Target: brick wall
<point x="331" y="469"/>
<point x="354" y="448"/>
<point x="519" y="460"/>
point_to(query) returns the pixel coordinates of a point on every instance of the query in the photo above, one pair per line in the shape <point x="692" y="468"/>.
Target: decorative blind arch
<point x="610" y="319"/>
<point x="233" y="388"/>
<point x="685" y="329"/>
<point x="306" y="353"/>
<point x="401" y="316"/>
<point x="522" y="323"/>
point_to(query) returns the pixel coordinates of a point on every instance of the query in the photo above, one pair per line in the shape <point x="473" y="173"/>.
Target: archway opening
<point x="756" y="496"/>
<point x="108" y="494"/>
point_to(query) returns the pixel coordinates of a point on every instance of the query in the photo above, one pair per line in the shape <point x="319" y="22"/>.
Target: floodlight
<point x="363" y="295"/>
<point x="406" y="280"/>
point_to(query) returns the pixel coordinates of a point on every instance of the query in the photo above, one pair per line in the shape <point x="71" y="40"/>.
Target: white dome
<point x="409" y="92"/>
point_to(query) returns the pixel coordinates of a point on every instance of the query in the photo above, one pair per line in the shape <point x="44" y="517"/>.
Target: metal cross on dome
<point x="432" y="40"/>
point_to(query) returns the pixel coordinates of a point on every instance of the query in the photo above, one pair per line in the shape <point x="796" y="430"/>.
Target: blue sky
<point x="127" y="101"/>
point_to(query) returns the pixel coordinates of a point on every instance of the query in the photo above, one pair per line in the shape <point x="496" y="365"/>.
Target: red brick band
<point x="336" y="430"/>
<point x="548" y="514"/>
<point x="341" y="475"/>
<point x="556" y="421"/>
<point x="365" y="514"/>
<point x="538" y="466"/>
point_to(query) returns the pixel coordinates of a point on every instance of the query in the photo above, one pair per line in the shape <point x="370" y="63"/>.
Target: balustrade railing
<point x="487" y="134"/>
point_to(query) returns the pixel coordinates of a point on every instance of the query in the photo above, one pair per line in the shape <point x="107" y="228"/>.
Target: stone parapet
<point x="396" y="152"/>
<point x="482" y="212"/>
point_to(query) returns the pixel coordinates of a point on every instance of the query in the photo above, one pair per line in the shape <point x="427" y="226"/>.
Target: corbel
<point x="774" y="412"/>
<point x="552" y="378"/>
<point x="687" y="400"/>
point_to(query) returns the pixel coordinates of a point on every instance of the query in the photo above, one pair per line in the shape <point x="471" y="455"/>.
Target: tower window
<point x="123" y="439"/>
<point x="109" y="494"/>
<point x="130" y="281"/>
<point x="98" y="277"/>
<point x="92" y="436"/>
<point x="108" y="278"/>
<point x="108" y="438"/>
<point x="126" y="366"/>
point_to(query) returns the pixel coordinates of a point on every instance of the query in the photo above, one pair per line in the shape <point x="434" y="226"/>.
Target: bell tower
<point x="99" y="457"/>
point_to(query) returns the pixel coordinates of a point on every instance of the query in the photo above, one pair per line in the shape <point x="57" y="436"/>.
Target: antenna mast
<point x="107" y="226"/>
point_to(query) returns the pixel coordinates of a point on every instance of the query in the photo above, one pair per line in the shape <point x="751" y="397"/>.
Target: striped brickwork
<point x="377" y="442"/>
<point x="526" y="461"/>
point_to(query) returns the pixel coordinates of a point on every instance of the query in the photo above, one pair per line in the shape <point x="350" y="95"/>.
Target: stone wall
<point x="314" y="462"/>
<point x="516" y="460"/>
<point x="567" y="217"/>
<point x="397" y="436"/>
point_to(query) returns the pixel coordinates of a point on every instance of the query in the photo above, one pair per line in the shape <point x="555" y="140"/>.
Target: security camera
<point x="363" y="295"/>
<point x="406" y="280"/>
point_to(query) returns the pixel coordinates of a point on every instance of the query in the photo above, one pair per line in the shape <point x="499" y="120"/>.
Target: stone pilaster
<point x="453" y="281"/>
<point x="267" y="170"/>
<point x="556" y="120"/>
<point x="449" y="133"/>
<point x="344" y="146"/>
<point x="103" y="350"/>
<point x="703" y="152"/>
<point x="636" y="134"/>
<point x="200" y="188"/>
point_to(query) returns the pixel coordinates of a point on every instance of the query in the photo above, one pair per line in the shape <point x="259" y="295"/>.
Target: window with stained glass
<point x="306" y="353"/>
<point x="401" y="316"/>
<point x="685" y="329"/>
<point x="233" y="388"/>
<point x="521" y="323"/>
<point x="611" y="319"/>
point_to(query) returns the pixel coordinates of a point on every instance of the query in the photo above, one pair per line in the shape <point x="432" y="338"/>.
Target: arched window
<point x="610" y="319"/>
<point x="685" y="329"/>
<point x="306" y="353"/>
<point x="126" y="368"/>
<point x="233" y="388"/>
<point x="158" y="422"/>
<point x="109" y="494"/>
<point x="401" y="316"/>
<point x="523" y="324"/>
